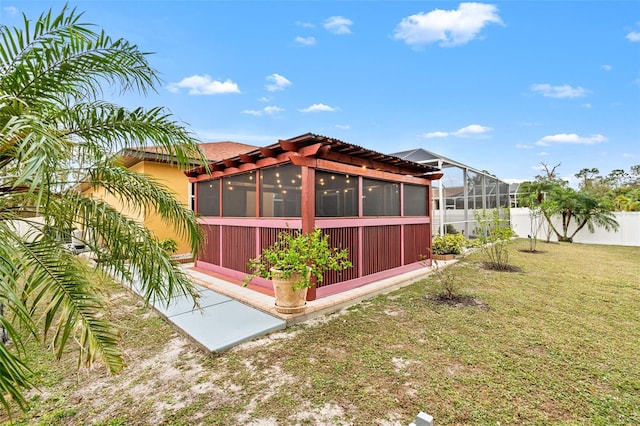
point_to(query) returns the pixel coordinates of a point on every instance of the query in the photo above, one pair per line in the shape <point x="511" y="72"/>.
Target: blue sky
<point x="500" y="86"/>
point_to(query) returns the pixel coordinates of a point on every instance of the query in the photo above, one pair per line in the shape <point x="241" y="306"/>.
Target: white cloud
<point x="277" y="82"/>
<point x="305" y="24"/>
<point x="338" y="25"/>
<point x="306" y="41"/>
<point x="11" y="10"/>
<point x="343" y="126"/>
<point x="268" y="110"/>
<point x="559" y="92"/>
<point x="633" y="36"/>
<point x="318" y="108"/>
<point x="204" y="85"/>
<point x="628" y="155"/>
<point x="543" y="153"/>
<point x="468" y="131"/>
<point x="449" y="27"/>
<point x="255" y="112"/>
<point x="264" y="99"/>
<point x="523" y="146"/>
<point x="271" y="110"/>
<point x="571" y="138"/>
<point x="606" y="67"/>
<point x="472" y="130"/>
<point x="587" y="105"/>
<point x="433" y="135"/>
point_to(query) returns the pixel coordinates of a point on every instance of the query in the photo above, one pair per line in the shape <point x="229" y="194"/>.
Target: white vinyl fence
<point x="627" y="235"/>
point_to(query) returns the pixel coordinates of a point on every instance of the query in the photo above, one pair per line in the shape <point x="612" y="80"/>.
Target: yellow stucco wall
<point x="171" y="177"/>
<point x="101" y="194"/>
<point x="174" y="179"/>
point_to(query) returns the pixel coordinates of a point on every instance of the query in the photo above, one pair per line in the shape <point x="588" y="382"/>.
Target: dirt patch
<point x="457" y="301"/>
<point x="499" y="267"/>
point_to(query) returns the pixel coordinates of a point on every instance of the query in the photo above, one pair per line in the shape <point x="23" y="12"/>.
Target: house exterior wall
<point x="101" y="194"/>
<point x="170" y="176"/>
<point x="175" y="180"/>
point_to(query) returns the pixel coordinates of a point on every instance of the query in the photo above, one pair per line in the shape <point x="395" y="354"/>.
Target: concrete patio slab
<point x="221" y="322"/>
<point x="182" y="304"/>
<point x="219" y="327"/>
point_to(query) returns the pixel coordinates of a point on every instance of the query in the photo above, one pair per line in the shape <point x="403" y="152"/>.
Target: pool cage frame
<point x="462" y="191"/>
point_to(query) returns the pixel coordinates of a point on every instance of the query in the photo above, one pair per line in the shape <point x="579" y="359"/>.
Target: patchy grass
<point x="554" y="343"/>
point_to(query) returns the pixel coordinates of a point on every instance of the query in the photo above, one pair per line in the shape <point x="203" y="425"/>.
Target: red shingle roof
<point x="213" y="151"/>
<point x="216" y="151"/>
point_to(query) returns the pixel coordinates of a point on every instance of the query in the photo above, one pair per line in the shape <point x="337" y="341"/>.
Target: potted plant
<point x="292" y="262"/>
<point x="445" y="247"/>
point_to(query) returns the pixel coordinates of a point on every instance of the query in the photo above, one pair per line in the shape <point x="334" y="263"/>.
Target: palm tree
<point x="586" y="209"/>
<point x="55" y="132"/>
<point x="533" y="195"/>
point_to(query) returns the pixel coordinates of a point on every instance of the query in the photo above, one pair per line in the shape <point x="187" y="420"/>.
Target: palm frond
<point x="142" y="193"/>
<point x="103" y="126"/>
<point x="64" y="289"/>
<point x="61" y="58"/>
<point x="126" y="249"/>
<point x="14" y="375"/>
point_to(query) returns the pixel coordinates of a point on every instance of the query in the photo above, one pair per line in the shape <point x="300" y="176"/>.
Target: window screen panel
<point x="415" y="200"/>
<point x="239" y="195"/>
<point x="281" y="191"/>
<point x="380" y="198"/>
<point x="209" y="198"/>
<point x="336" y="194"/>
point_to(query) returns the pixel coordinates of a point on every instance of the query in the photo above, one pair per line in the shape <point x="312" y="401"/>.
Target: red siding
<point x="239" y="245"/>
<point x="381" y="248"/>
<point x="268" y="236"/>
<point x="211" y="247"/>
<point x="346" y="238"/>
<point x="417" y="239"/>
<point x="375" y="245"/>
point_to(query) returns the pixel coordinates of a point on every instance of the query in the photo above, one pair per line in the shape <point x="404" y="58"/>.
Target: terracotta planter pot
<point x="288" y="301"/>
<point x="444" y="256"/>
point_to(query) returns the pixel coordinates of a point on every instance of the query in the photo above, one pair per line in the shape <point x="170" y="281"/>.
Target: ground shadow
<point x="532" y="251"/>
<point x="456" y="301"/>
<point x="499" y="267"/>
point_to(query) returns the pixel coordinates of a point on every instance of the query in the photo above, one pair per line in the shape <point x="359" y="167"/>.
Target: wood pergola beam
<point x="268" y="152"/>
<point x="288" y="145"/>
<point x="245" y="158"/>
<point x="230" y="163"/>
<point x="370" y="164"/>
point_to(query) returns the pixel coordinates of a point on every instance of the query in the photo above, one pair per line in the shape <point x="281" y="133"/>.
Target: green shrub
<point x="169" y="245"/>
<point x="448" y="244"/>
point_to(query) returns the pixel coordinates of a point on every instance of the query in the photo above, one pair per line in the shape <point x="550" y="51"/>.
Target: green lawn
<point x="558" y="343"/>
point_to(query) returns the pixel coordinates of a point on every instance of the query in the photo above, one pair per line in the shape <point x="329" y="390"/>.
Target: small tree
<point x="494" y="234"/>
<point x="447" y="281"/>
<point x="536" y="219"/>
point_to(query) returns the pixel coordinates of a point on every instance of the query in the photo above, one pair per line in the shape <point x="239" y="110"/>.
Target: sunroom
<point x="374" y="205"/>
